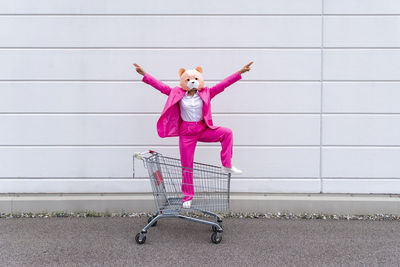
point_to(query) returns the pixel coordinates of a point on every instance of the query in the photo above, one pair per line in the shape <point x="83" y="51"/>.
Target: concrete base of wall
<point x="340" y="204"/>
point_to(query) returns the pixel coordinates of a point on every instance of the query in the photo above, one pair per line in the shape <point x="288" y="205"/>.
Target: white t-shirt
<point x="191" y="107"/>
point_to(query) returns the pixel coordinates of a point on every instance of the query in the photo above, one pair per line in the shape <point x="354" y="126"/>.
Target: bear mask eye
<point x="187" y="79"/>
<point x="196" y="78"/>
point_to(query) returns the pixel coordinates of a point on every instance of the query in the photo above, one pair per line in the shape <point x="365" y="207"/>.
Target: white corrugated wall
<point x="318" y="112"/>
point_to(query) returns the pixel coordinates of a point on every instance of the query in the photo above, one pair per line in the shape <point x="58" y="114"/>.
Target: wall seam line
<point x="321" y="96"/>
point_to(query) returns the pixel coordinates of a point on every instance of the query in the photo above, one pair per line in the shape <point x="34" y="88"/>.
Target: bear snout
<point x="193" y="84"/>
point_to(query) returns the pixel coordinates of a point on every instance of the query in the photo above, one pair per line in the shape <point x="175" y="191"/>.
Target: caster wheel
<point x="216" y="238"/>
<point x="215" y="229"/>
<point x="140" y="238"/>
<point x="149" y="220"/>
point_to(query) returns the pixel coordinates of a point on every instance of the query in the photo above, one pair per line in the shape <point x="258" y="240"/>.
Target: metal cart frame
<point x="211" y="191"/>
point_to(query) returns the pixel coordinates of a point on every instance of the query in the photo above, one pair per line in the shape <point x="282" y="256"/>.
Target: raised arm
<point x="147" y="78"/>
<point x="219" y="87"/>
<point x="162" y="87"/>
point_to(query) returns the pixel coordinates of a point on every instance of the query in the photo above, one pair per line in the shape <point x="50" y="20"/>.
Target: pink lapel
<point x="201" y="92"/>
<point x="178" y="96"/>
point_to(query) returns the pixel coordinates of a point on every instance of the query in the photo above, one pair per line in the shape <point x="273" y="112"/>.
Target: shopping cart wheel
<point x="151" y="218"/>
<point x="215" y="229"/>
<point x="140" y="238"/>
<point x="216" y="238"/>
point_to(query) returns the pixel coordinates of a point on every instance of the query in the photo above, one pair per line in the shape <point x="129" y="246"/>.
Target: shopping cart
<point x="211" y="191"/>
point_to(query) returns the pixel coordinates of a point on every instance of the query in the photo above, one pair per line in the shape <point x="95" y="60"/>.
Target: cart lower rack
<point x="210" y="187"/>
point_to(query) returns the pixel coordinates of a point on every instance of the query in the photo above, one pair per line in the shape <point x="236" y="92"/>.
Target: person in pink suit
<point x="187" y="114"/>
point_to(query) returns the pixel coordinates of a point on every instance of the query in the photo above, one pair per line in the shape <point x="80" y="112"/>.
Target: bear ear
<point x="181" y="71"/>
<point x="199" y="69"/>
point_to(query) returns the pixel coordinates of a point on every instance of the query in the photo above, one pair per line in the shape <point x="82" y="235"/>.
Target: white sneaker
<point x="187" y="204"/>
<point x="233" y="170"/>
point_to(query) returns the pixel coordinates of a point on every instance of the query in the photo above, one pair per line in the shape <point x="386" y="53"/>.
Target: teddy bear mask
<point x="191" y="79"/>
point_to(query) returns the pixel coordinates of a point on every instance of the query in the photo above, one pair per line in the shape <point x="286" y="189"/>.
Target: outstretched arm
<point x="160" y="86"/>
<point x="218" y="88"/>
<point x="147" y="78"/>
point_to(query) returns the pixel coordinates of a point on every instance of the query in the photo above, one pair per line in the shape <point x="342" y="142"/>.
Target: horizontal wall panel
<point x="361" y="130"/>
<point x="105" y="64"/>
<point x="365" y="64"/>
<point x="361" y="7"/>
<point x="116" y="162"/>
<point x="87" y="97"/>
<point x="159" y="7"/>
<point x="75" y="186"/>
<point x="138" y="129"/>
<point x="160" y="31"/>
<point x="347" y="31"/>
<point x="361" y="186"/>
<point x="140" y="97"/>
<point x="276" y="185"/>
<point x="361" y="162"/>
<point x="361" y="97"/>
<point x="143" y="186"/>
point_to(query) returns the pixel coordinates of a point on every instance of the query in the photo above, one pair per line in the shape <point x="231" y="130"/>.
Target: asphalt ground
<point x="109" y="241"/>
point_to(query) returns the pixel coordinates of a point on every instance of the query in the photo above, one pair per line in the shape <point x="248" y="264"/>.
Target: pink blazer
<point x="170" y="120"/>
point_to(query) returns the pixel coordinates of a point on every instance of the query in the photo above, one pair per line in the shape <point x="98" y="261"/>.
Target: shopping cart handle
<point x="139" y="155"/>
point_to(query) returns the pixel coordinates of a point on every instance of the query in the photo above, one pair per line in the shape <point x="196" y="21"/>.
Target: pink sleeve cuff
<point x="145" y="77"/>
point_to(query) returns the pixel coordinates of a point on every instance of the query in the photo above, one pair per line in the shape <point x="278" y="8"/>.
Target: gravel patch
<point x="251" y="215"/>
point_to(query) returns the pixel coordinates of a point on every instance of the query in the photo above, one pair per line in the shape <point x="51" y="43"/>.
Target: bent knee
<point x="227" y="131"/>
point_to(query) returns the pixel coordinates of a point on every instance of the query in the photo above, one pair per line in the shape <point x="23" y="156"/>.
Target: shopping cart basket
<point x="211" y="191"/>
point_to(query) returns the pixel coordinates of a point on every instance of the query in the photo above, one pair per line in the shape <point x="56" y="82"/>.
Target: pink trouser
<point x="191" y="132"/>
